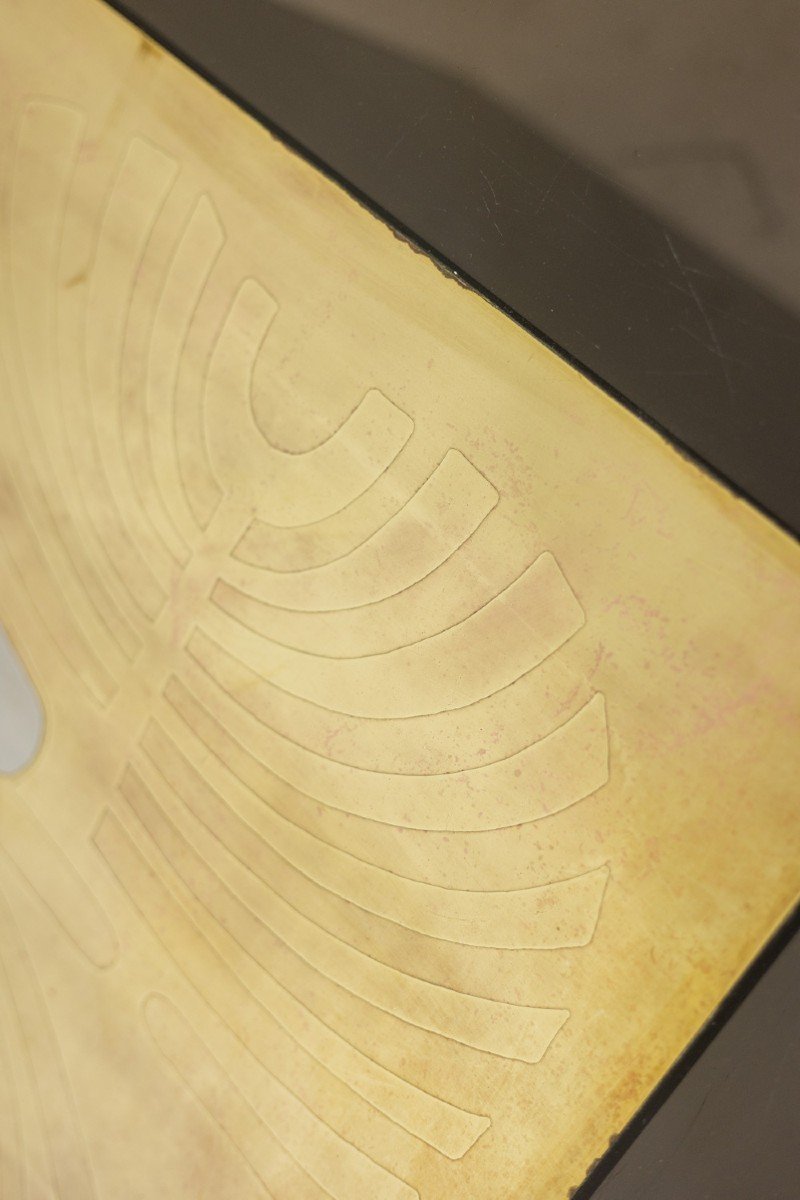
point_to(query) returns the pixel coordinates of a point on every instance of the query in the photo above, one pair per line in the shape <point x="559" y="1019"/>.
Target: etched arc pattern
<point x="262" y="1119"/>
<point x="42" y="1148"/>
<point x="331" y="658"/>
<point x="63" y="573"/>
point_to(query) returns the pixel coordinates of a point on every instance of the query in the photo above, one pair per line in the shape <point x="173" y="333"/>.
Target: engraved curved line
<point x="305" y="487"/>
<point x="459" y="588"/>
<point x="77" y="579"/>
<point x="554" y="915"/>
<point x="474" y="737"/>
<point x="567" y="765"/>
<point x="316" y="1149"/>
<point x="478" y="735"/>
<point x="67" y="1150"/>
<point x="213" y="1088"/>
<point x="499" y="1027"/>
<point x="438" y="520"/>
<point x="57" y="884"/>
<point x="97" y="573"/>
<point x="308" y="452"/>
<point x="78" y="432"/>
<point x="12" y="1170"/>
<point x="52" y="618"/>
<point x="40" y="247"/>
<point x="220" y="760"/>
<point x="42" y="628"/>
<point x="54" y="604"/>
<point x="226" y="586"/>
<point x="186" y="279"/>
<point x="39" y="1163"/>
<point x="355" y="419"/>
<point x="444" y="1126"/>
<point x="344" y="743"/>
<point x="237" y="448"/>
<point x="330" y="538"/>
<point x="160" y="536"/>
<point x="250" y="551"/>
<point x="74" y="434"/>
<point x="530" y="619"/>
<point x="133" y="204"/>
<point x="197" y="479"/>
<point x="32" y="1161"/>
<point x="576" y="767"/>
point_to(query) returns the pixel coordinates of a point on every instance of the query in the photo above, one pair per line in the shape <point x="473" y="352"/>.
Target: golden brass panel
<point x="420" y="758"/>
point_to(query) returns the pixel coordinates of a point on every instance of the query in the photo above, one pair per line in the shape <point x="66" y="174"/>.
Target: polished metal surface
<point x="648" y="290"/>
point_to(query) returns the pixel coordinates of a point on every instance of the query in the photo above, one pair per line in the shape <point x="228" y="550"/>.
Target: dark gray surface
<point x="690" y="108"/>
<point x="662" y="322"/>
<point x="674" y="332"/>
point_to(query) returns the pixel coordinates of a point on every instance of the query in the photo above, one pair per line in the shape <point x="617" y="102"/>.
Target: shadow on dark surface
<point x="679" y="336"/>
<point x="691" y="109"/>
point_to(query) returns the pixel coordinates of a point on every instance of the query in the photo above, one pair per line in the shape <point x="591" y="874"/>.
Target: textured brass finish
<point x="420" y="758"/>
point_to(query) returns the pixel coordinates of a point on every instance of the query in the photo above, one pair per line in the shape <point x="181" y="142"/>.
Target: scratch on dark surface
<point x="395" y="146"/>
<point x="546" y="194"/>
<point x="485" y="202"/>
<point x="598" y="233"/>
<point x="509" y="164"/>
<point x="712" y="333"/>
<point x="777" y="334"/>
<point x="488" y="183"/>
<point x="697" y="1115"/>
<point x="708" y="346"/>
